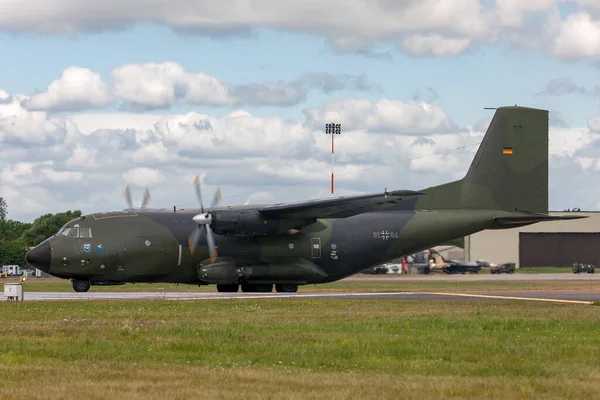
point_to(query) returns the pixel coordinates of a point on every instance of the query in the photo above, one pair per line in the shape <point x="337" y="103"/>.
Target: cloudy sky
<point x="95" y="95"/>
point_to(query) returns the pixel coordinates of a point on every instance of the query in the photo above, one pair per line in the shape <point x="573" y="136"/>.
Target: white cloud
<point x="415" y="117"/>
<point x="19" y="125"/>
<point x="16" y="173"/>
<point x="360" y="18"/>
<point x="154" y="86"/>
<point x="143" y="176"/>
<point x="152" y="154"/>
<point x="28" y="201"/>
<point x="436" y="27"/>
<point x="592" y="6"/>
<point x="3" y="95"/>
<point x="309" y="169"/>
<point x="436" y="153"/>
<point x="383" y="144"/>
<point x="511" y="13"/>
<point x="60" y="176"/>
<point x="88" y="123"/>
<point x="148" y="85"/>
<point x="82" y="158"/>
<point x="235" y="134"/>
<point x="594" y="124"/>
<point x="579" y="36"/>
<point x="435" y="44"/>
<point x="586" y="162"/>
<point x="77" y="89"/>
<point x="565" y="142"/>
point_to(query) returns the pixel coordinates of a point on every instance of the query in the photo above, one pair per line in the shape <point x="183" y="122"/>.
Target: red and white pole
<point x="332" y="129"/>
<point x="332" y="137"/>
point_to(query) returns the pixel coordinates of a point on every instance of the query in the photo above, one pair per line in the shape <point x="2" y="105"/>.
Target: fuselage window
<point x="85" y="232"/>
<point x="66" y="231"/>
<point x="74" y="232"/>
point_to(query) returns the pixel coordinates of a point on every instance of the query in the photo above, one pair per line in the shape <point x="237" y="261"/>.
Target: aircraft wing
<point x="337" y="207"/>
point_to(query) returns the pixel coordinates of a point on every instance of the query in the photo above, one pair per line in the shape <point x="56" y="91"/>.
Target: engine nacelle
<point x="226" y="271"/>
<point x="251" y="223"/>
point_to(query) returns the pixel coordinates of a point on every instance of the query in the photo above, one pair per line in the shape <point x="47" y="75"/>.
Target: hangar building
<point x="545" y="244"/>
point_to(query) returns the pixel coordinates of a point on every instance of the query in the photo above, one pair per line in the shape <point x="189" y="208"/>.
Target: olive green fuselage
<point x="153" y="247"/>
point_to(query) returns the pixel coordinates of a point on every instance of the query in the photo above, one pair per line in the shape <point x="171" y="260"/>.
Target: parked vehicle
<point x="12" y="270"/>
<point x="508" y="268"/>
<point x="579" y="267"/>
<point x="375" y="270"/>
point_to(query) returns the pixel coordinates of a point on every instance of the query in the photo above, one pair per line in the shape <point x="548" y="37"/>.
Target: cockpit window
<point x="85" y="232"/>
<point x="76" y="232"/>
<point x="62" y="229"/>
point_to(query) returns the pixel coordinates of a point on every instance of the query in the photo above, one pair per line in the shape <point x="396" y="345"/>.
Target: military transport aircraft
<point x="308" y="242"/>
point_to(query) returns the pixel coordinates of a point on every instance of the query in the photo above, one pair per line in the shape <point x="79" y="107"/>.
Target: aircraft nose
<point x="39" y="256"/>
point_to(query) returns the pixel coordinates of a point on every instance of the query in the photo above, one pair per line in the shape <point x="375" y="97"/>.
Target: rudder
<point x="509" y="171"/>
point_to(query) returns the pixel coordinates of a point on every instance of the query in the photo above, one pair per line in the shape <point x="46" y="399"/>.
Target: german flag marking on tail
<point x="507" y="150"/>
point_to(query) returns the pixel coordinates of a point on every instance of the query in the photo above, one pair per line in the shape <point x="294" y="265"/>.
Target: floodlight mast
<point x="332" y="129"/>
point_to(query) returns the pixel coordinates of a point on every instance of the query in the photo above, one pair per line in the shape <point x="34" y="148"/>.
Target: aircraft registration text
<point x="385" y="235"/>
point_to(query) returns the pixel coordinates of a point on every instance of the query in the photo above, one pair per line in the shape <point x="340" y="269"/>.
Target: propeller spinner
<point x="145" y="200"/>
<point x="203" y="221"/>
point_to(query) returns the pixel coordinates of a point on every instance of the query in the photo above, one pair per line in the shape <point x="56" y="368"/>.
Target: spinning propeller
<point x="204" y="220"/>
<point x="144" y="201"/>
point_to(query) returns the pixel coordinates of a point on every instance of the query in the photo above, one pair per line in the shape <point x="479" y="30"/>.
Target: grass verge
<point x="298" y="349"/>
<point x="545" y="270"/>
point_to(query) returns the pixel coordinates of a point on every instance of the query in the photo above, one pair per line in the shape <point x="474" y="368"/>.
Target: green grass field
<point x="151" y="349"/>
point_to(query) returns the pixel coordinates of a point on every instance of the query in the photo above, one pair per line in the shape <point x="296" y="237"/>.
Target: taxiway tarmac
<point x="573" y="297"/>
<point x="475" y="277"/>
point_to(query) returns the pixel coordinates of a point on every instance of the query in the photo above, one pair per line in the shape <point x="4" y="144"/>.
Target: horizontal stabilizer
<point x="337" y="207"/>
<point x="531" y="219"/>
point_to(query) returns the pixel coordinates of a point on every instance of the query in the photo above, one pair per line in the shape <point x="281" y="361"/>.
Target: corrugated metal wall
<point x="559" y="249"/>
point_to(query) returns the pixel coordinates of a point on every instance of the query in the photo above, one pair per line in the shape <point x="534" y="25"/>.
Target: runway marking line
<point x="486" y="296"/>
<point x="290" y="295"/>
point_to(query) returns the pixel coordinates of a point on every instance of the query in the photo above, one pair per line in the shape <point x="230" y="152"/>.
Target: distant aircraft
<point x="308" y="242"/>
<point x="435" y="262"/>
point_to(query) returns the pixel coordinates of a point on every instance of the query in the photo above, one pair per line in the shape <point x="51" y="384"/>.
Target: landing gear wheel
<point x="261" y="288"/>
<point x="228" y="288"/>
<point x="286" y="288"/>
<point x="81" y="285"/>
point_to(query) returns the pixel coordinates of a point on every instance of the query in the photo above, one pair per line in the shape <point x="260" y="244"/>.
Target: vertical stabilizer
<point x="509" y="171"/>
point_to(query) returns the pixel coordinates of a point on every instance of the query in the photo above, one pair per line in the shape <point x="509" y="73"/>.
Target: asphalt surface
<point x="477" y="277"/>
<point x="575" y="297"/>
<point x="540" y="296"/>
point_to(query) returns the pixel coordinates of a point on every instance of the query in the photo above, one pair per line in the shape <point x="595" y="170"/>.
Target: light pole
<point x="332" y="129"/>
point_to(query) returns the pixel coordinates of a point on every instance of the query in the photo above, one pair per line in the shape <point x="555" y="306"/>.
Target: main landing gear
<point x="80" y="285"/>
<point x="258" y="288"/>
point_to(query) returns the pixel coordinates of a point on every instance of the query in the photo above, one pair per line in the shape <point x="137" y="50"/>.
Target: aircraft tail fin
<point x="509" y="171"/>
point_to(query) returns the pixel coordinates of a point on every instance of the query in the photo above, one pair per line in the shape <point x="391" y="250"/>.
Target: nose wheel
<point x="81" y="285"/>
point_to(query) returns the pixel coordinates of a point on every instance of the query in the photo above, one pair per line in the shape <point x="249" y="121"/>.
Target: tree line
<point x="17" y="237"/>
